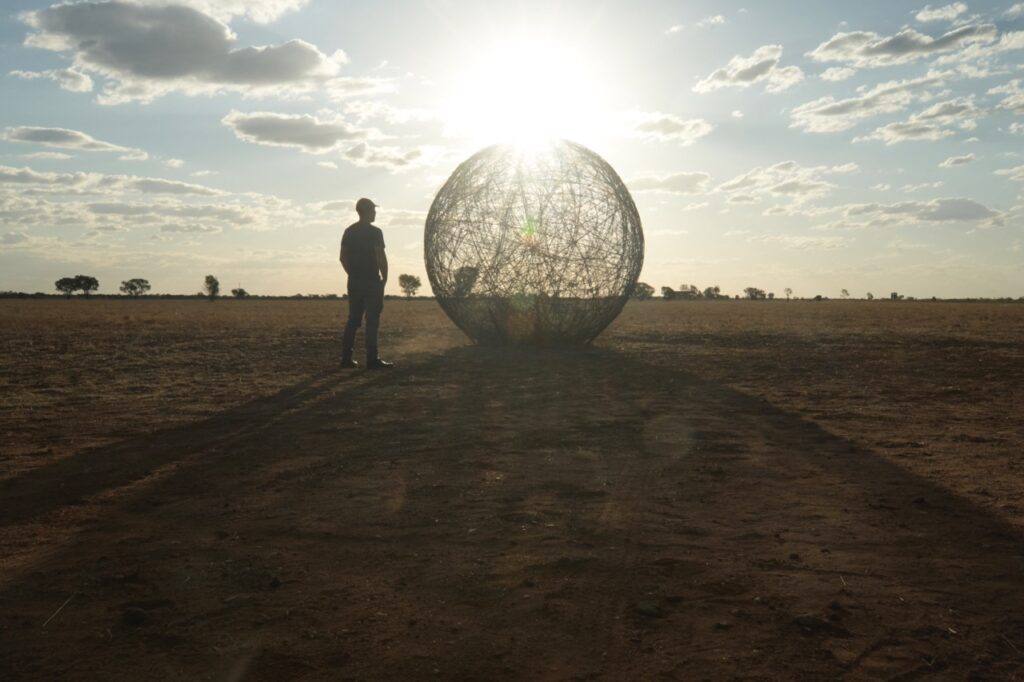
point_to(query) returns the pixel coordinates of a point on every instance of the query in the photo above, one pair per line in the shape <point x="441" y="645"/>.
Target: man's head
<point x="366" y="209"/>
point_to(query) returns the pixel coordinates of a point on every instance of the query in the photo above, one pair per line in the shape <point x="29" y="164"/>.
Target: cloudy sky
<point x="867" y="146"/>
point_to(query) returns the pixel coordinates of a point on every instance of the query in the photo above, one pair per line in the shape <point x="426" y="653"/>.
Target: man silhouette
<point x="362" y="256"/>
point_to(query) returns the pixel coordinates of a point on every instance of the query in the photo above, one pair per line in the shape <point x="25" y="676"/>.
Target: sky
<point x="816" y="147"/>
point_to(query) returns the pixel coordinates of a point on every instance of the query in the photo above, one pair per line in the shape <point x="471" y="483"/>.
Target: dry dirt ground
<point x="715" y="490"/>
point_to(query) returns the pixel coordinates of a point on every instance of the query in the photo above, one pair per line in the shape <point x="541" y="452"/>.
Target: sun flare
<point x="524" y="93"/>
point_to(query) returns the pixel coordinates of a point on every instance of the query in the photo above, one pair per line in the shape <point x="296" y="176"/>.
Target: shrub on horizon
<point x="135" y="287"/>
<point x="211" y="287"/>
<point x="409" y="284"/>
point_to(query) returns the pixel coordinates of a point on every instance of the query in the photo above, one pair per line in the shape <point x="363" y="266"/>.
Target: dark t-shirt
<point x="361" y="241"/>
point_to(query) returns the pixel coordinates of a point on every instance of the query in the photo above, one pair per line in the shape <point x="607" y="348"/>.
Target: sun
<point x="525" y="92"/>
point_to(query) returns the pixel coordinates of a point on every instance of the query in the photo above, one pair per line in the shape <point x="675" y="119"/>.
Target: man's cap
<point x="364" y="205"/>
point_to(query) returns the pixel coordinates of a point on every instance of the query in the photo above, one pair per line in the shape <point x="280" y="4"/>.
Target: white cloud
<point x="1016" y="173"/>
<point x="944" y="13"/>
<point x="173" y="163"/>
<point x="11" y="238"/>
<point x="342" y="87"/>
<point x="348" y="206"/>
<point x="298" y="131"/>
<point x="327" y="164"/>
<point x="761" y="66"/>
<point x="258" y="11"/>
<point x="101" y="183"/>
<point x="798" y="242"/>
<point x="954" y="161"/>
<point x="1015" y="11"/>
<point x="784" y="179"/>
<point x="716" y="20"/>
<point x="837" y="73"/>
<point x="659" y="127"/>
<point x="929" y="124"/>
<point x="141" y="51"/>
<point x="1017" y="128"/>
<point x="894" y="133"/>
<point x="950" y="111"/>
<point x="392" y="158"/>
<point x="975" y="60"/>
<point x="124" y="208"/>
<point x="676" y="28"/>
<point x="64" y="138"/>
<point x="907" y="189"/>
<point x="69" y="79"/>
<point x="937" y="210"/>
<point x="28" y="176"/>
<point x="736" y="113"/>
<point x="161" y="186"/>
<point x="677" y="183"/>
<point x="364" y="110"/>
<point x="865" y="49"/>
<point x="395" y="218"/>
<point x="47" y="156"/>
<point x="189" y="228"/>
<point x="829" y="115"/>
<point x="1014" y="99"/>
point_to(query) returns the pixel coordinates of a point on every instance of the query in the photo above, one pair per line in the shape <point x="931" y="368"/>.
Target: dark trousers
<point x="365" y="297"/>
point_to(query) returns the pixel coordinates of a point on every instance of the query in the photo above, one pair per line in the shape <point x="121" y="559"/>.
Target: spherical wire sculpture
<point x="541" y="246"/>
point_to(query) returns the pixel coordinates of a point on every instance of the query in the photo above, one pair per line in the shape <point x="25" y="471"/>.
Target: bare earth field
<point x="715" y="490"/>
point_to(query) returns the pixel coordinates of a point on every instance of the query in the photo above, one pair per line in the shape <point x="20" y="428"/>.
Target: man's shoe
<point x="348" y="363"/>
<point x="379" y="364"/>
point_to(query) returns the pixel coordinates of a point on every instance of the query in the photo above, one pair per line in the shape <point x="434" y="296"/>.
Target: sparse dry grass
<point x="937" y="387"/>
<point x="76" y="373"/>
<point x="810" y="490"/>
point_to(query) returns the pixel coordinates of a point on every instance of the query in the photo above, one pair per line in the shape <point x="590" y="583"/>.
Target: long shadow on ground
<point x="69" y="481"/>
<point x="507" y="513"/>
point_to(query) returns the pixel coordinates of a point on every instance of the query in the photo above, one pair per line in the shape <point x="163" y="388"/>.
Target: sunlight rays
<point x="524" y="92"/>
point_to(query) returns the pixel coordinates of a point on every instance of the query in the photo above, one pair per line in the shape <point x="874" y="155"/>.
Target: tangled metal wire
<point x="533" y="247"/>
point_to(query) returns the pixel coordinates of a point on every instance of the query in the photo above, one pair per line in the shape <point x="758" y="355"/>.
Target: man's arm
<point x="382" y="264"/>
<point x="344" y="258"/>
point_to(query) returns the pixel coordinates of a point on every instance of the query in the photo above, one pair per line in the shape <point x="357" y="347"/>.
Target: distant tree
<point x="135" y="287"/>
<point x="771" y="295"/>
<point x="240" y="293"/>
<point x="688" y="291"/>
<point x="870" y="296"/>
<point x="211" y="287"/>
<point x="86" y="284"/>
<point x="788" y="292"/>
<point x="643" y="291"/>
<point x="465" y="279"/>
<point x="409" y="284"/>
<point x="895" y="296"/>
<point x="817" y="297"/>
<point x="844" y="294"/>
<point x="754" y="294"/>
<point x="668" y="293"/>
<point x="66" y="285"/>
<point x="714" y="292"/>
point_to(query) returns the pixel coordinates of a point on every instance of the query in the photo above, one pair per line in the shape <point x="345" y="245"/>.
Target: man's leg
<point x="356" y="308"/>
<point x="374" y="306"/>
